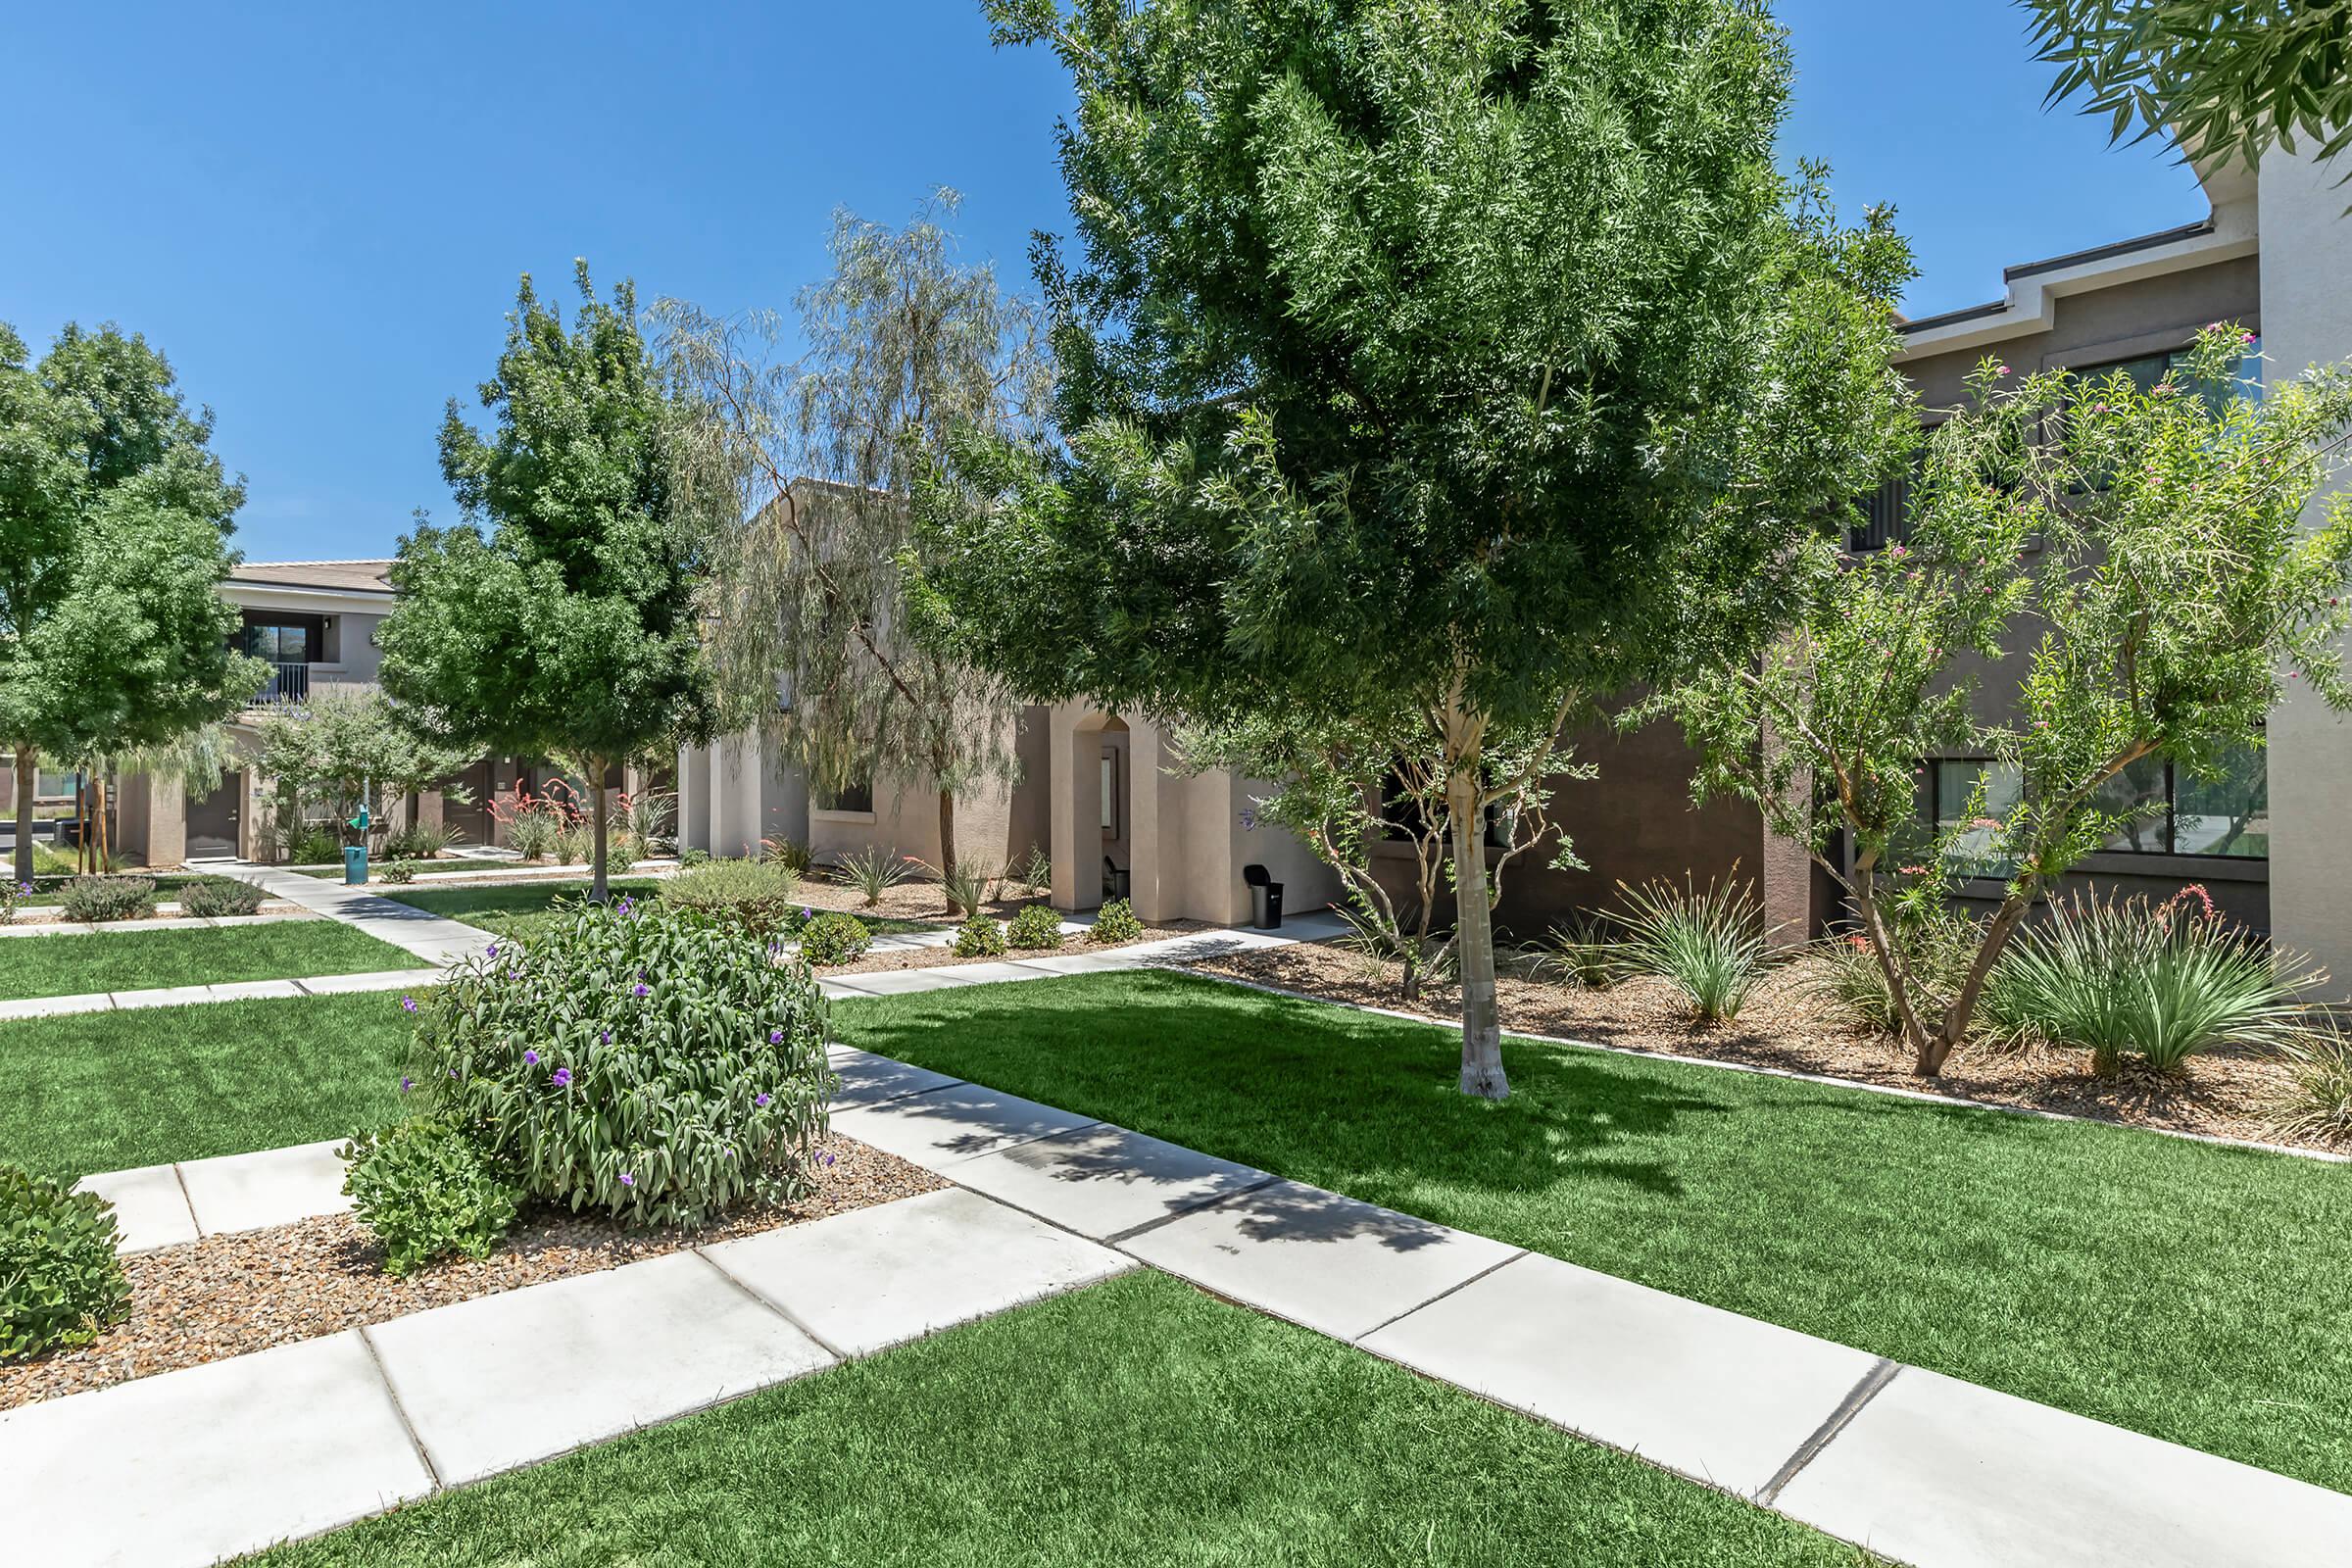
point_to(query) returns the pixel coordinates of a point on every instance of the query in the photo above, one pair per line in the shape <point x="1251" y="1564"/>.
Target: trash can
<point x="355" y="863"/>
<point x="1265" y="897"/>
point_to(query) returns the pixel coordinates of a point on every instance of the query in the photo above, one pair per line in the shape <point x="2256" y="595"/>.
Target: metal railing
<point x="289" y="682"/>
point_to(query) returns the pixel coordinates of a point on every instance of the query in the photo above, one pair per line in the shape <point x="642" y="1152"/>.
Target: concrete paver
<point x="939" y="1128"/>
<point x="1103" y="1181"/>
<point x="151" y="1209"/>
<point x="276" y="1187"/>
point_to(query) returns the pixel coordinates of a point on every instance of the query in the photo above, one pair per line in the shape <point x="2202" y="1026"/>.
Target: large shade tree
<point x="904" y="342"/>
<point x="568" y="630"/>
<point x="1462" y="360"/>
<point x="115" y="521"/>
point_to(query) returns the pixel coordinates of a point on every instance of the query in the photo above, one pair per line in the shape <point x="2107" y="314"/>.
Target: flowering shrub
<point x="60" y="1279"/>
<point x="215" y="896"/>
<point x="834" y="938"/>
<point x="634" y="1060"/>
<point x="109" y="898"/>
<point x="980" y="937"/>
<point x="424" y="1190"/>
<point x="1115" y="921"/>
<point x="1036" y="925"/>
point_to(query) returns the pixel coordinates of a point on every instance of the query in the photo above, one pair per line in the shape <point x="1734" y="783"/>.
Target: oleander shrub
<point x="634" y="1060"/>
<point x="109" y="898"/>
<point x="980" y="937"/>
<point x="1115" y="921"/>
<point x="834" y="938"/>
<point x="1034" y="925"/>
<point x="761" y="897"/>
<point x="1707" y="943"/>
<point x="217" y="896"/>
<point x="61" y="1281"/>
<point x="424" y="1190"/>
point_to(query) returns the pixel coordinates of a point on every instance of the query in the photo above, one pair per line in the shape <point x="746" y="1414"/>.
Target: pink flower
<point x="1913" y="870"/>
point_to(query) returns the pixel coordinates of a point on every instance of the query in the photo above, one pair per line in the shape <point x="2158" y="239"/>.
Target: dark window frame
<point x="1932" y="811"/>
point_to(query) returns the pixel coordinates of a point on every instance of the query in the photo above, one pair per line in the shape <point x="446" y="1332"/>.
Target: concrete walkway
<point x="433" y="938"/>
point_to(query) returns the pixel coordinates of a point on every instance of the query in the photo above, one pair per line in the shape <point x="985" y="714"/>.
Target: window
<point x="285" y="639"/>
<point x="855" y="796"/>
<point x="1885" y="509"/>
<point x="2166" y="809"/>
<point x="1110" y="795"/>
<point x="1951" y="805"/>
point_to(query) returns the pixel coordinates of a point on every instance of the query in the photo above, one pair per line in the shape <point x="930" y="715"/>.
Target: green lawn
<point x="2192" y="1292"/>
<point x="107" y="1091"/>
<point x="520" y="911"/>
<point x="1136" y="1422"/>
<point x="139" y="960"/>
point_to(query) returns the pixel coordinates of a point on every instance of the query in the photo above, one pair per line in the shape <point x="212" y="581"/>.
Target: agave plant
<point x="1710" y="943"/>
<point x="873" y="873"/>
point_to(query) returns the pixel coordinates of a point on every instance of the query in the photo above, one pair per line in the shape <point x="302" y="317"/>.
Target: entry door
<point x="213" y="819"/>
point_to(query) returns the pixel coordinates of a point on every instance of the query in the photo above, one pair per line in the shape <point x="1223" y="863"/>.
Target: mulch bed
<point x="231" y="1295"/>
<point x="904" y="900"/>
<point x="945" y="957"/>
<point x="1788" y="1025"/>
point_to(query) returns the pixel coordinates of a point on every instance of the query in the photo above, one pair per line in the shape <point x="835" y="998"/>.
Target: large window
<point x="855" y="796"/>
<point x="2167" y="810"/>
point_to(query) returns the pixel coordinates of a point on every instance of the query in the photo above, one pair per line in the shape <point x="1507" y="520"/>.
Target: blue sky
<point x="319" y="212"/>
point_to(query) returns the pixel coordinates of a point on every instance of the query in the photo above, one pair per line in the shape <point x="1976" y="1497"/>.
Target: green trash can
<point x="355" y="863"/>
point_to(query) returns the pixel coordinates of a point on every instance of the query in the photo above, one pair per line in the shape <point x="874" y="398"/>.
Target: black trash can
<point x="1265" y="897"/>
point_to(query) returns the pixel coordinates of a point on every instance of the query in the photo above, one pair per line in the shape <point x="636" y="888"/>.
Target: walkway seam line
<point x="1118" y="1241"/>
<point x="375" y="1359"/>
<point x="186" y="1200"/>
<point x="1857" y="1396"/>
<point x="1442" y="1295"/>
<point x="839" y="1355"/>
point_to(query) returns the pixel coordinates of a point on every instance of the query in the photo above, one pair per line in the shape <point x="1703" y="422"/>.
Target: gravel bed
<point x="231" y="1295"/>
<point x="1786" y="1024"/>
<point x="945" y="957"/>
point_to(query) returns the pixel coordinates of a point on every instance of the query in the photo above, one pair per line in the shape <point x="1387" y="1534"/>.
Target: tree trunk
<point x="599" y="814"/>
<point x="28" y="778"/>
<point x="947" y="851"/>
<point x="1474" y="918"/>
<point x="1938" y="1048"/>
<point x="100" y="858"/>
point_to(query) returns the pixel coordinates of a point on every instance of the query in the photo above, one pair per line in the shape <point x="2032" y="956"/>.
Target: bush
<point x="834" y="938"/>
<point x="533" y="833"/>
<point x="2119" y="976"/>
<point x="873" y="873"/>
<point x="1579" y="952"/>
<point x="315" y="846"/>
<point x="61" y="1281"/>
<point x="2316" y="1104"/>
<point x="109" y="898"/>
<point x="424" y="1190"/>
<point x="980" y="937"/>
<point x="215" y="897"/>
<point x="1709" y="945"/>
<point x="1035" y="925"/>
<point x="1115" y="921"/>
<point x="425" y="841"/>
<point x="11" y="890"/>
<point x="758" y="896"/>
<point x="649" y="1063"/>
<point x="790" y="854"/>
<point x="1936" y="943"/>
<point x="966" y="887"/>
<point x="688" y="858"/>
<point x="398" y="873"/>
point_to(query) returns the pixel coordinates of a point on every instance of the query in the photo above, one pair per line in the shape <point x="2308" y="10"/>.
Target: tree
<point x="2173" y="599"/>
<point x="2224" y="78"/>
<point x="1467" y="360"/>
<point x="568" y="630"/>
<point x="903" y="343"/>
<point x="345" y="744"/>
<point x="114" y="521"/>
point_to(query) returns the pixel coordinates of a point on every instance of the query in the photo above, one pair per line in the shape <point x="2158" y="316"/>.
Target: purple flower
<point x="408" y="1003"/>
<point x="407" y="1084"/>
<point x="641" y="988"/>
<point x="491" y="952"/>
<point x="827" y="1158"/>
<point x="627" y="1179"/>
<point x="562" y="1078"/>
<point x="530" y="1059"/>
<point x="761" y="1100"/>
<point x="775" y="1037"/>
<point x="625" y="906"/>
<point x="604" y="1036"/>
<point x="806" y="913"/>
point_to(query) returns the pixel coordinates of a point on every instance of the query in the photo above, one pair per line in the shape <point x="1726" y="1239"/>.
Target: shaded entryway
<point x="214" y="818"/>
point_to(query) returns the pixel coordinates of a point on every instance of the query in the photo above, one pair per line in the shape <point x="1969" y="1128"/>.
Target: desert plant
<point x="966" y="887"/>
<point x="632" y="1059"/>
<point x="421" y="840"/>
<point x="1935" y="942"/>
<point x="109" y="898"/>
<point x="834" y="938"/>
<point x="399" y="873"/>
<point x="1710" y="943"/>
<point x="2316" y="1102"/>
<point x="1035" y="874"/>
<point x="760" y="896"/>
<point x="310" y="844"/>
<point x="791" y="853"/>
<point x="648" y="817"/>
<point x="980" y="937"/>
<point x="215" y="897"/>
<point x="1035" y="925"/>
<point x="11" y="890"/>
<point x="571" y="846"/>
<point x="1579" y="952"/>
<point x="2162" y="982"/>
<point x="1376" y="938"/>
<point x="1115" y="921"/>
<point x="873" y="873"/>
<point x="61" y="1281"/>
<point x="424" y="1190"/>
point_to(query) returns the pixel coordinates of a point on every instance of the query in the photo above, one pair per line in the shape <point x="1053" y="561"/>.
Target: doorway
<point x="214" y="819"/>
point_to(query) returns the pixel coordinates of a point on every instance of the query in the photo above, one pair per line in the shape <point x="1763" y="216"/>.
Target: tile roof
<point x="364" y="575"/>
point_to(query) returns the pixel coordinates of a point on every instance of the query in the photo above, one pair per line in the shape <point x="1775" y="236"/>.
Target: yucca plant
<point x="1708" y="943"/>
<point x="1582" y="950"/>
<point x="2317" y="1102"/>
<point x="965" y="886"/>
<point x="873" y="873"/>
<point x="2162" y="982"/>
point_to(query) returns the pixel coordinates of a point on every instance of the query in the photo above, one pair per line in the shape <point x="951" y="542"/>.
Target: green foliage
<point x="760" y="897"/>
<point x="1935" y="941"/>
<point x="570" y="630"/>
<point x="1115" y="921"/>
<point x="2162" y="983"/>
<point x="691" y="858"/>
<point x="632" y="1059"/>
<point x="965" y="886"/>
<point x="11" y="890"/>
<point x="873" y="873"/>
<point x="108" y="898"/>
<point x="790" y="854"/>
<point x="2221" y="77"/>
<point x="1035" y="925"/>
<point x="399" y="873"/>
<point x="213" y="898"/>
<point x="1581" y="952"/>
<point x="534" y="835"/>
<point x="60" y="1280"/>
<point x="424" y="1190"/>
<point x="2317" y="1102"/>
<point x="834" y="938"/>
<point x="421" y="840"/>
<point x="1710" y="943"/>
<point x="1034" y="872"/>
<point x="337" y="749"/>
<point x="981" y="936"/>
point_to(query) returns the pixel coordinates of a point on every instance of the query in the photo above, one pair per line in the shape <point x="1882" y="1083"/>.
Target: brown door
<point x="213" y="819"/>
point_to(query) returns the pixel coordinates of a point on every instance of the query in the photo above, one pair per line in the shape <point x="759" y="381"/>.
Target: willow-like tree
<point x="904" y="342"/>
<point x="115" y="521"/>
<point x="1469" y="357"/>
<point x="568" y="630"/>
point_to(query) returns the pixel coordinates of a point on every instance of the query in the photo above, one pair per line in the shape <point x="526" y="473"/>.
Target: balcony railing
<point x="289" y="682"/>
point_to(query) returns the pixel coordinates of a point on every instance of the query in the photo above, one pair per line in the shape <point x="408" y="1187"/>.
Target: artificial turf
<point x="109" y="1090"/>
<point x="1138" y="1422"/>
<point x="2193" y="1292"/>
<point x="522" y="910"/>
<point x="66" y="965"/>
